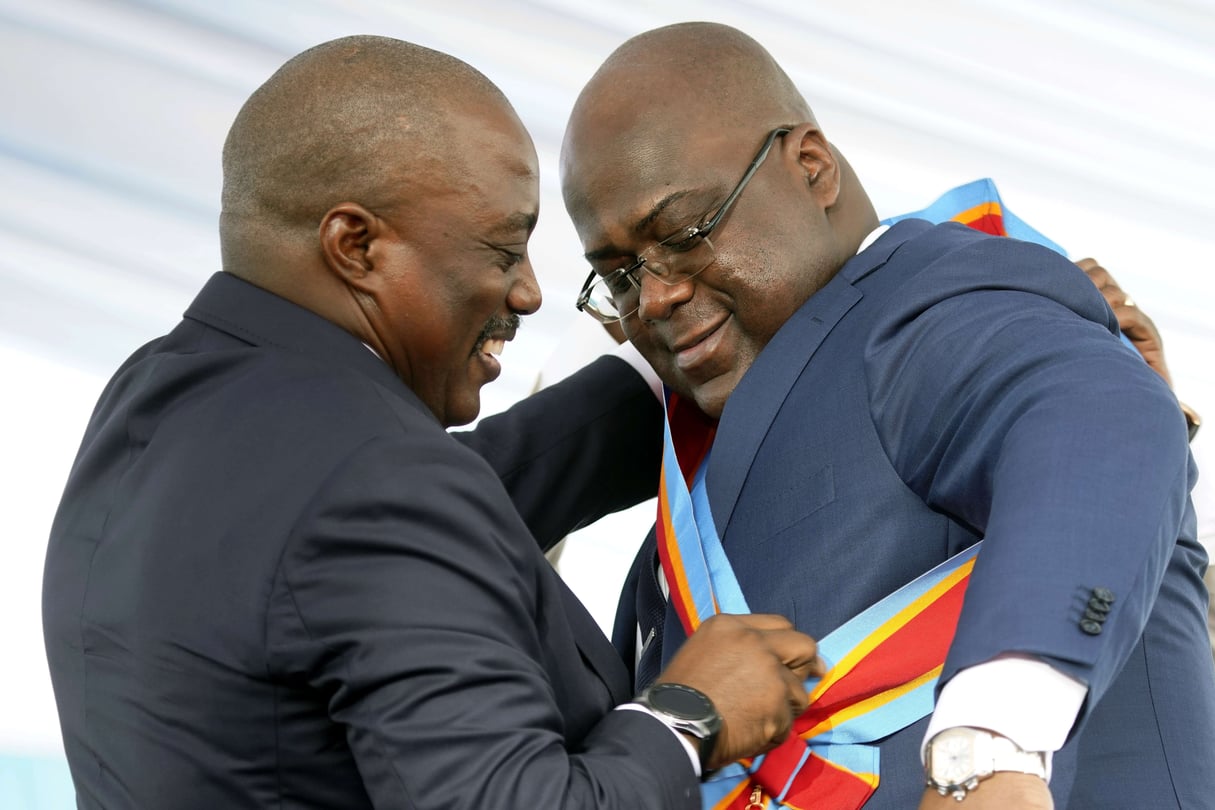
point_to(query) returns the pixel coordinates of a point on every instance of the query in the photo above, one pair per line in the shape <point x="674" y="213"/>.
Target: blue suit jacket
<point x="948" y="386"/>
<point x="276" y="581"/>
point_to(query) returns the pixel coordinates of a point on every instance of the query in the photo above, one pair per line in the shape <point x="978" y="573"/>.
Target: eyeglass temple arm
<point x="742" y="184"/>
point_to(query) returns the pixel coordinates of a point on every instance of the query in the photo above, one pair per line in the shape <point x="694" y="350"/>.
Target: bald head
<point x="684" y="76"/>
<point x="391" y="190"/>
<point x="360" y="118"/>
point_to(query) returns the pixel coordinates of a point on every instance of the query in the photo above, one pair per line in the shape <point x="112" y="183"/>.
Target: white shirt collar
<point x="872" y="237"/>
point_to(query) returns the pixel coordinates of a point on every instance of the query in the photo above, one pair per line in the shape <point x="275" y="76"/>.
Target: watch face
<point x="680" y="701"/>
<point x="953" y="761"/>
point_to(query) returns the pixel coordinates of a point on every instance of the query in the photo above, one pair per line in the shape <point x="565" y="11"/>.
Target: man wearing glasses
<point x="851" y="410"/>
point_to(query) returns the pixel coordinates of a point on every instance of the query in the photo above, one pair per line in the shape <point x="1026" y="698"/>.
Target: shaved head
<point x="682" y="76"/>
<point x="337" y="123"/>
<point x="390" y="189"/>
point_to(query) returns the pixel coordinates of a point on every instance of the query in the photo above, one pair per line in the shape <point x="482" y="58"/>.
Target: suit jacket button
<point x="1095" y="615"/>
<point x="1098" y="606"/>
<point x="1104" y="594"/>
<point x="1091" y="627"/>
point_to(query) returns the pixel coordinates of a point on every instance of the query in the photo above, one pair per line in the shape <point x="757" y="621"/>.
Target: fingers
<point x="753" y="667"/>
<point x="1096" y="273"/>
<point x="1101" y="278"/>
<point x="799" y="698"/>
<point x="1129" y="315"/>
<point x="1135" y="322"/>
<point x="796" y="650"/>
<point x="799" y="653"/>
<point x="1089" y="265"/>
<point x="759" y="621"/>
<point x="1132" y="321"/>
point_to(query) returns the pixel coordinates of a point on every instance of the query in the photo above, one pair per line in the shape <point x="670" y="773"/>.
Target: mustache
<point x="495" y="325"/>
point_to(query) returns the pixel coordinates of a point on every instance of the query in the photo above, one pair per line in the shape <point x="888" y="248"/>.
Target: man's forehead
<point x="637" y="179"/>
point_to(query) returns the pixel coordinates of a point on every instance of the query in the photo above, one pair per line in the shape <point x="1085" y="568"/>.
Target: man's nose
<point x="524" y="296"/>
<point x="657" y="298"/>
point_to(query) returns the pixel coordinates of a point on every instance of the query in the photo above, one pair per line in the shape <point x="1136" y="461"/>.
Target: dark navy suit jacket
<point x="948" y="386"/>
<point x="276" y="581"/>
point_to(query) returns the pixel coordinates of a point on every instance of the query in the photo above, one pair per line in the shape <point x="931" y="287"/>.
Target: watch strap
<point x="1006" y="755"/>
<point x="703" y="723"/>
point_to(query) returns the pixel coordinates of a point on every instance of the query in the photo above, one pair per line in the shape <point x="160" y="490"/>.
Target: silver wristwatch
<point x="958" y="759"/>
<point x="685" y="709"/>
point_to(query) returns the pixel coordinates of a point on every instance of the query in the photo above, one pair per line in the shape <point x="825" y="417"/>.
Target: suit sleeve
<point x="1004" y="400"/>
<point x="583" y="448"/>
<point x="426" y="622"/>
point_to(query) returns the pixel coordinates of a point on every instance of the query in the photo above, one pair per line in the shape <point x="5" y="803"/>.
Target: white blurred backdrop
<point x="1095" y="118"/>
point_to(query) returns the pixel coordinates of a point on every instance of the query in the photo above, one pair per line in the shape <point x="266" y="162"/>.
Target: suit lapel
<point x="234" y="306"/>
<point x="753" y="405"/>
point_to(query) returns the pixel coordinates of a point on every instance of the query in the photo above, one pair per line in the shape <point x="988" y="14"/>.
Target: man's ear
<point x="818" y="161"/>
<point x="346" y="233"/>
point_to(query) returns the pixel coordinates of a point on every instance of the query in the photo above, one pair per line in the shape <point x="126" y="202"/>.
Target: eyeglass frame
<point x="700" y="231"/>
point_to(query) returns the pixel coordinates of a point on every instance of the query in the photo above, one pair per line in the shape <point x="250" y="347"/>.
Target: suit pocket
<point x="794" y="499"/>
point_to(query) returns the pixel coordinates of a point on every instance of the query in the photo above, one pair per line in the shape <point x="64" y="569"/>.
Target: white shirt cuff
<point x="693" y="757"/>
<point x="1018" y="696"/>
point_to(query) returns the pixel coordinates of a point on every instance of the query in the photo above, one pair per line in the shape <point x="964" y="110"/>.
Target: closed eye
<point x="509" y="259"/>
<point x="684" y="240"/>
<point x="619" y="281"/>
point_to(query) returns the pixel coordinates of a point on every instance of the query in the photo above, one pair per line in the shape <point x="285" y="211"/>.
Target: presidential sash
<point x="978" y="205"/>
<point x="883" y="664"/>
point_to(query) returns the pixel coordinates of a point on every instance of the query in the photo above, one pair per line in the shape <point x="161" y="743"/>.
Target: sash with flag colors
<point x="882" y="664"/>
<point x="978" y="205"/>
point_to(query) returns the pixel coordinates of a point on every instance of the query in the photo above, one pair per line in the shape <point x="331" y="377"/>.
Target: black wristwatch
<point x="688" y="710"/>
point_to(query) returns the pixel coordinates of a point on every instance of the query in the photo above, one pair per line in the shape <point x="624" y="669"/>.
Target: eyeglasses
<point x="672" y="261"/>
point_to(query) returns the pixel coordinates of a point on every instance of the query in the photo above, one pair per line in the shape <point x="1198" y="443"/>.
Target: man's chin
<point x="711" y="395"/>
<point x="464" y="409"/>
<point x="711" y="404"/>
<point x="709" y="389"/>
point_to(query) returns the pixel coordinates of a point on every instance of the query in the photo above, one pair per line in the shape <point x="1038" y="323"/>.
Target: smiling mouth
<point x="493" y="346"/>
<point x="494" y="337"/>
<point x="695" y="352"/>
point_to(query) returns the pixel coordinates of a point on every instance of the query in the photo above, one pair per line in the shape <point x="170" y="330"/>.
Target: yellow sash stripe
<point x="890" y="627"/>
<point x="743" y="784"/>
<point x="678" y="589"/>
<point x="980" y="210"/>
<point x="866" y="705"/>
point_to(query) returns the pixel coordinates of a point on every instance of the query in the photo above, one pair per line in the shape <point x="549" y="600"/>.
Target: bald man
<point x="851" y="410"/>
<point x="276" y="580"/>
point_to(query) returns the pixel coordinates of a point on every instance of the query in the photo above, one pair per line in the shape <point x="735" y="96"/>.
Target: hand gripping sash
<point x="882" y="664"/>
